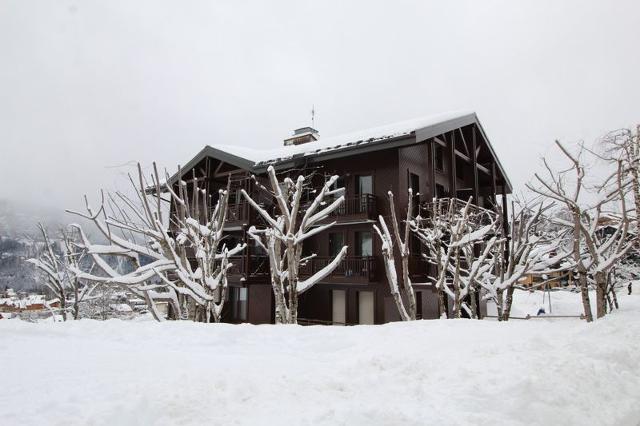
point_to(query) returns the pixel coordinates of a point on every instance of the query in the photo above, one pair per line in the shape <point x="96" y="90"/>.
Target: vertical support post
<point x="452" y="167"/>
<point x="505" y="219"/>
<point x="246" y="253"/>
<point x="494" y="186"/>
<point x="207" y="189"/>
<point x="474" y="162"/>
<point x="433" y="168"/>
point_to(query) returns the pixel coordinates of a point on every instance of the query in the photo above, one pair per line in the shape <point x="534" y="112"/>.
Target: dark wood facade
<point x="457" y="162"/>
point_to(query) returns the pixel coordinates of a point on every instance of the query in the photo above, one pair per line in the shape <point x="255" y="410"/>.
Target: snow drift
<point x="454" y="372"/>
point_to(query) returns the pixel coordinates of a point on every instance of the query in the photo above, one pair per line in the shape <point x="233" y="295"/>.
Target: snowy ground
<point x="542" y="371"/>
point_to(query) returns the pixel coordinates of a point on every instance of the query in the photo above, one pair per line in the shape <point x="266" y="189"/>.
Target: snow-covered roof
<point x="333" y="143"/>
<point x="423" y="128"/>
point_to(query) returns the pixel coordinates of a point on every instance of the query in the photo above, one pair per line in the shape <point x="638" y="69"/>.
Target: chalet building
<point x="443" y="156"/>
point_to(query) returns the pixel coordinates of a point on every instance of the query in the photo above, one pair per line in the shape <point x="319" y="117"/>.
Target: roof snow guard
<point x="373" y="139"/>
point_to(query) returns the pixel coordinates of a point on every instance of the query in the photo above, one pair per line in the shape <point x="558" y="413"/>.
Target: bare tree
<point x="286" y="230"/>
<point x="60" y="271"/>
<point x="141" y="229"/>
<point x="529" y="247"/>
<point x="459" y="242"/>
<point x="403" y="291"/>
<point x="594" y="253"/>
<point x="624" y="145"/>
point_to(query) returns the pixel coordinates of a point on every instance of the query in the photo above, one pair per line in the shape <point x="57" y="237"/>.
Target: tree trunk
<point x="584" y="291"/>
<point x="601" y="291"/>
<point x="63" y="306"/>
<point x="472" y="301"/>
<point x="76" y="303"/>
<point x="442" y="307"/>
<point x="609" y="302"/>
<point x="456" y="288"/>
<point x="615" y="297"/>
<point x="292" y="276"/>
<point x="407" y="288"/>
<point x="635" y="185"/>
<point x="508" y="303"/>
<point x="500" y="304"/>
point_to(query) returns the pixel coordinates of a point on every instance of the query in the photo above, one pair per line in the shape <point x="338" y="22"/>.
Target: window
<point x="365" y="189"/>
<point x="364" y="244"/>
<point x="239" y="303"/>
<point x="365" y="185"/>
<point x="439" y="154"/>
<point x="339" y="307"/>
<point x="336" y="242"/>
<point x="440" y="191"/>
<point x="365" y="307"/>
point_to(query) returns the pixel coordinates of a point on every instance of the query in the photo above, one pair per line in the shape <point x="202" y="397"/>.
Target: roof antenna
<point x="313" y="116"/>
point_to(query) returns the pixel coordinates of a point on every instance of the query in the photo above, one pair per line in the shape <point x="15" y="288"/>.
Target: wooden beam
<point x="463" y="156"/>
<point x="228" y="172"/>
<point x="469" y="160"/>
<point x="494" y="186"/>
<point x="475" y="165"/>
<point x="441" y="142"/>
<point x="464" y="142"/>
<point x="432" y="147"/>
<point x="218" y="168"/>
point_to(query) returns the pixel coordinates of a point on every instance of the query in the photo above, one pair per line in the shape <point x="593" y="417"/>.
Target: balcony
<point x="361" y="207"/>
<point x="418" y="267"/>
<point x="477" y="214"/>
<point x="238" y="214"/>
<point x="361" y="269"/>
<point x="351" y="269"/>
<point x="249" y="267"/>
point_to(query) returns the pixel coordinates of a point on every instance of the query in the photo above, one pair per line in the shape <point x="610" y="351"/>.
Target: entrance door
<point x="339" y="311"/>
<point x="365" y="307"/>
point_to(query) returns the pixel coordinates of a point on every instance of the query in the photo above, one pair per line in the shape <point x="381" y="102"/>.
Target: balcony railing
<point x="418" y="266"/>
<point x="249" y="266"/>
<point x="361" y="268"/>
<point x="361" y="206"/>
<point x="238" y="212"/>
<point x="477" y="214"/>
<point x="352" y="269"/>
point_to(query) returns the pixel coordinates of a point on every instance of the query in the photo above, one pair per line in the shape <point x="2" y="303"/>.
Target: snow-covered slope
<point x="455" y="372"/>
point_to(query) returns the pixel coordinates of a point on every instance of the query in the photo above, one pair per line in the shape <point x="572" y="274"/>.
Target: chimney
<point x="302" y="135"/>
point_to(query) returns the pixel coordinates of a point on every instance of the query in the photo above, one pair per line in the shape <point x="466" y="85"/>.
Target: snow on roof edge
<point x="251" y="158"/>
<point x="388" y="131"/>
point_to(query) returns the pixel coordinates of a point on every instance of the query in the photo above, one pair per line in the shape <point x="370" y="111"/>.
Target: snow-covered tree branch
<point x="61" y="271"/>
<point x="460" y="241"/>
<point x="402" y="292"/>
<point x="178" y="258"/>
<point x="529" y="247"/>
<point x="595" y="249"/>
<point x="286" y="229"/>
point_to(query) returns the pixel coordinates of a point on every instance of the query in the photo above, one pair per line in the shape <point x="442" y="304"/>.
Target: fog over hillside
<point x="19" y="219"/>
<point x="20" y="238"/>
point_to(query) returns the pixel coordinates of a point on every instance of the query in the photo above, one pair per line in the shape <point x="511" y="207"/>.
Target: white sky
<point x="88" y="86"/>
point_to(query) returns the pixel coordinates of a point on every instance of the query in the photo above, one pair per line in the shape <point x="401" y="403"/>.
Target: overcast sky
<point x="88" y="87"/>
